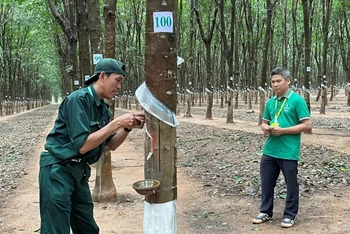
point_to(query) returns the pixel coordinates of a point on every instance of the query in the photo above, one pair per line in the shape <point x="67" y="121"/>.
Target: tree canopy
<point x="39" y="51"/>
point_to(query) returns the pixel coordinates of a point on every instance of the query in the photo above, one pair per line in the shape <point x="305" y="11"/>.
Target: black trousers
<point x="269" y="171"/>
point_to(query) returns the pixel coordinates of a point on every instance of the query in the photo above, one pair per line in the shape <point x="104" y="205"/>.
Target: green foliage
<point x="31" y="29"/>
<point x="30" y="46"/>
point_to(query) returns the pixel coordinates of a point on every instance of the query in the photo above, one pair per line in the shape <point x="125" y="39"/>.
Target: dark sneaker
<point x="287" y="223"/>
<point x="260" y="218"/>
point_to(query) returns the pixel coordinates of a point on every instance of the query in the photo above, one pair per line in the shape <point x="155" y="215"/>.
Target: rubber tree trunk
<point x="229" y="116"/>
<point x="160" y="207"/>
<point x="188" y="106"/>
<point x="105" y="190"/>
<point x="261" y="106"/>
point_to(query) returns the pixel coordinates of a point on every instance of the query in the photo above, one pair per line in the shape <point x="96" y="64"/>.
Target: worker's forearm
<point x="117" y="139"/>
<point x="96" y="138"/>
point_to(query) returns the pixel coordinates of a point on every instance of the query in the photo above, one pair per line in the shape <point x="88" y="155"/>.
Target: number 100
<point x="164" y="21"/>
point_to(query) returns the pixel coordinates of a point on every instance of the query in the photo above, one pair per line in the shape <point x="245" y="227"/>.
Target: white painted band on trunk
<point x="160" y="218"/>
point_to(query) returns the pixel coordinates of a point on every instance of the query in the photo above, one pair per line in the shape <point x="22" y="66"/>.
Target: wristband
<point x="127" y="129"/>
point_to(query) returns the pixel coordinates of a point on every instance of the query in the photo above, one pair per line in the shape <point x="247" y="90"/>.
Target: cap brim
<point x="91" y="79"/>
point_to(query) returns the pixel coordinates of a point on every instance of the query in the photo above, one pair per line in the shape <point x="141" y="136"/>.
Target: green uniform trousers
<point x="65" y="199"/>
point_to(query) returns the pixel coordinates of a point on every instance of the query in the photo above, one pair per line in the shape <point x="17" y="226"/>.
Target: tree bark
<point x="161" y="81"/>
<point x="268" y="33"/>
<point x="95" y="29"/>
<point x="307" y="48"/>
<point x="207" y="39"/>
<point x="326" y="14"/>
<point x="228" y="52"/>
<point x="83" y="37"/>
<point x="105" y="190"/>
<point x="69" y="27"/>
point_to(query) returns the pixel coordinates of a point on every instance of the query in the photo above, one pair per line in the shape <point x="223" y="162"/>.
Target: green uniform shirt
<point x="292" y="113"/>
<point x="80" y="114"/>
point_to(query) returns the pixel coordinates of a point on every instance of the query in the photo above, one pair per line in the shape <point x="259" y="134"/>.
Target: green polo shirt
<point x="80" y="114"/>
<point x="292" y="113"/>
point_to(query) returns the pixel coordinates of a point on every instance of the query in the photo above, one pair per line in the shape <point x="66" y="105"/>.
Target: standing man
<point x="77" y="139"/>
<point x="285" y="117"/>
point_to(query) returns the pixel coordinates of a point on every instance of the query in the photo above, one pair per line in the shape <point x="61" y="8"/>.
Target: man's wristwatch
<point x="127" y="129"/>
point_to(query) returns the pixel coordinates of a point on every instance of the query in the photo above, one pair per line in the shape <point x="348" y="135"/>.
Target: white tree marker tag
<point x="163" y="22"/>
<point x="97" y="57"/>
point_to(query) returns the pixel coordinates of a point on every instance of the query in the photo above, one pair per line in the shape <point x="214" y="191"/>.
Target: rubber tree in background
<point x="104" y="190"/>
<point x="83" y="38"/>
<point x="326" y="16"/>
<point x="207" y="40"/>
<point x="270" y="6"/>
<point x="228" y="46"/>
<point x="307" y="48"/>
<point x="95" y="28"/>
<point x="67" y="20"/>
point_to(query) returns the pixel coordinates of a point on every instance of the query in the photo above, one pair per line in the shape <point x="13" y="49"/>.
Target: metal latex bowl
<point x="146" y="187"/>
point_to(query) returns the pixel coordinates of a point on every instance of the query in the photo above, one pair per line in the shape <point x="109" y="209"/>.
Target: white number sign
<point x="163" y="22"/>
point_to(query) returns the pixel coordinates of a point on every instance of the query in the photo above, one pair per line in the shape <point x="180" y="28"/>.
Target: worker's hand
<point x="126" y="121"/>
<point x="131" y="120"/>
<point x="139" y="119"/>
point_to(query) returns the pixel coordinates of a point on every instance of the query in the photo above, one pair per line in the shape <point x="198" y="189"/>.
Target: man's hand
<point x="139" y="119"/>
<point x="266" y="128"/>
<point x="276" y="131"/>
<point x="130" y="120"/>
